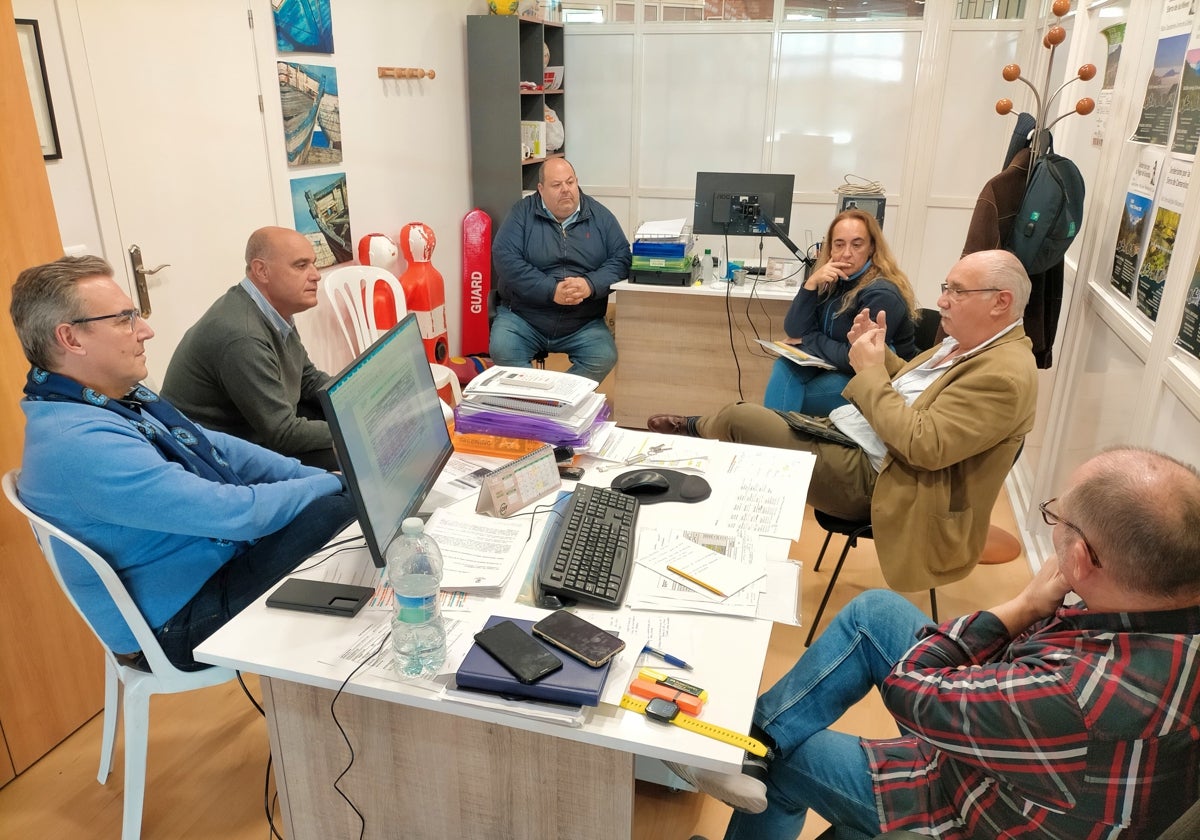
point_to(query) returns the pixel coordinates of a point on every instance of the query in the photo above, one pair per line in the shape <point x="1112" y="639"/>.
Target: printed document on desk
<point x="478" y="552"/>
<point x="653" y="588"/>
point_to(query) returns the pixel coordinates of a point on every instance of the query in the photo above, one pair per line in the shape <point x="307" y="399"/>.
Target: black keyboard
<point x="591" y="557"/>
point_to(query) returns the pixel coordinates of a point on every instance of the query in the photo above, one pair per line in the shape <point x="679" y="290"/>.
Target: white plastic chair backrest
<point x="351" y="291"/>
<point x="51" y="539"/>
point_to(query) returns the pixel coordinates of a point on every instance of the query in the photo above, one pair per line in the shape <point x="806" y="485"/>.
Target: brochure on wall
<point x="1187" y="123"/>
<point x="1162" y="92"/>
<point x="1114" y="35"/>
<point x="1189" y="325"/>
<point x="1177" y="14"/>
<point x="1132" y="231"/>
<point x="1153" y="271"/>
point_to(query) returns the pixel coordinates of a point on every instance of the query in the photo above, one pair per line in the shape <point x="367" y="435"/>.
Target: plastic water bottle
<point x="718" y="268"/>
<point x="414" y="564"/>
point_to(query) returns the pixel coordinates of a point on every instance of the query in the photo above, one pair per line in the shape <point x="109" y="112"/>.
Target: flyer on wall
<point x="1114" y="35"/>
<point x="1162" y="92"/>
<point x="1131" y="233"/>
<point x="1189" y="325"/>
<point x="1187" y="123"/>
<point x="1153" y="271"/>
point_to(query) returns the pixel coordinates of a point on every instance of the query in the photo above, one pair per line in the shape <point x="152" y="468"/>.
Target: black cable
<point x="358" y="542"/>
<point x="362" y="821"/>
<point x="254" y="702"/>
<point x="269" y="801"/>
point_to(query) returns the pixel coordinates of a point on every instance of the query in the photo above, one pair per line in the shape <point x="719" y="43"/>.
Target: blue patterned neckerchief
<point x="186" y="445"/>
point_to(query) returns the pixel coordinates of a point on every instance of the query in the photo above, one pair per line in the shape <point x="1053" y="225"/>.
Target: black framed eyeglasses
<point x="1052" y="518"/>
<point x="950" y="290"/>
<point x="131" y="315"/>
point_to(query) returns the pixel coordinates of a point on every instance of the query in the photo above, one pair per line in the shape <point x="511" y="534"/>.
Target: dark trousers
<point x="248" y="575"/>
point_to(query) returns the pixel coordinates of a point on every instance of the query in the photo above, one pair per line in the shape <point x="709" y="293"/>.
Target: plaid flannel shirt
<point x="1082" y="727"/>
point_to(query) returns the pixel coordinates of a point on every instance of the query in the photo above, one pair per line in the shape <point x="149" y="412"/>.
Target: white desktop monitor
<point x="389" y="432"/>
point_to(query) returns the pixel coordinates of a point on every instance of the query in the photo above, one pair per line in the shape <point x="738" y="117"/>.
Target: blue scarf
<point x="186" y="444"/>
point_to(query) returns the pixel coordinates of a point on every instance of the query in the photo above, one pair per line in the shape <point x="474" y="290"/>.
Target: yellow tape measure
<point x="664" y="711"/>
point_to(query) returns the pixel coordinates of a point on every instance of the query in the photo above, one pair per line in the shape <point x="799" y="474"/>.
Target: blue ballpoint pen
<point x="666" y="657"/>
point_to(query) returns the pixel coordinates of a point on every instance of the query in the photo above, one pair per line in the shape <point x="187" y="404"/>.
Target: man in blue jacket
<point x="197" y="524"/>
<point x="557" y="255"/>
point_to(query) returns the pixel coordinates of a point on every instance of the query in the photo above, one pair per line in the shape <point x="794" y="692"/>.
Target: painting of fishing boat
<point x="321" y="210"/>
<point x="303" y="26"/>
<point x="312" y="125"/>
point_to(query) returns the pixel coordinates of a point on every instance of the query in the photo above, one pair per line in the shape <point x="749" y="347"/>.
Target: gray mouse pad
<point x="681" y="487"/>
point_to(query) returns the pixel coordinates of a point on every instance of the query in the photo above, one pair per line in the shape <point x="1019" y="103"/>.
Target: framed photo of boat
<point x="321" y="211"/>
<point x="30" y="40"/>
<point x="312" y="123"/>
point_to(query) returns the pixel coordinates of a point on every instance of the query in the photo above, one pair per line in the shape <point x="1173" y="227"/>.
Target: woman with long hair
<point x="855" y="270"/>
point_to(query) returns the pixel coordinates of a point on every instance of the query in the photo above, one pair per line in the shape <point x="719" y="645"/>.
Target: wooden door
<point x="51" y="667"/>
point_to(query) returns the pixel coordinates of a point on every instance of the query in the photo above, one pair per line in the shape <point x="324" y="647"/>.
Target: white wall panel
<point x="1177" y="430"/>
<point x="1102" y="407"/>
<point x="844" y="104"/>
<point x="703" y="106"/>
<point x="599" y="120"/>
<point x="972" y="137"/>
<point x="945" y="231"/>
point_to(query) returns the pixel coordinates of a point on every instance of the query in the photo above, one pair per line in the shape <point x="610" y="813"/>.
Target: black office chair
<point x="925" y="337"/>
<point x="853" y="531"/>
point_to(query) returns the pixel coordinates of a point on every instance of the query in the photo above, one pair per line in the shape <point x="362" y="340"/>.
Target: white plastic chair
<point x="351" y="291"/>
<point x="138" y="685"/>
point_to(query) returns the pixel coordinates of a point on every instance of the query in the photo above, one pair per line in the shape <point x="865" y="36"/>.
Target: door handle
<point x="140" y="273"/>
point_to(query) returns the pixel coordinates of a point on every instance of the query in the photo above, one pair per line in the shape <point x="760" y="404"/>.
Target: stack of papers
<point x="545" y="405"/>
<point x="700" y="572"/>
<point x="479" y="553"/>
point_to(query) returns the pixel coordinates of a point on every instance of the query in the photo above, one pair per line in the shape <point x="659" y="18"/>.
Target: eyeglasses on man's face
<point x="957" y="293"/>
<point x="1052" y="518"/>
<point x="130" y="315"/>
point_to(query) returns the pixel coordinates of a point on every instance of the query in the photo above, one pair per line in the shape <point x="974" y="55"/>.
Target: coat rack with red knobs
<point x="1042" y="104"/>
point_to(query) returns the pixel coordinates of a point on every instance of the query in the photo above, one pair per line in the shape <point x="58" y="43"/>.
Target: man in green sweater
<point x="241" y="369"/>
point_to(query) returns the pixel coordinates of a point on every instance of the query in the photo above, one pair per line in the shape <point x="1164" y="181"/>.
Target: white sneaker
<point x="739" y="790"/>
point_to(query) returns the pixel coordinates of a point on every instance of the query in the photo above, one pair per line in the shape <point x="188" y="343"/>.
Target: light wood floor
<point x="208" y="748"/>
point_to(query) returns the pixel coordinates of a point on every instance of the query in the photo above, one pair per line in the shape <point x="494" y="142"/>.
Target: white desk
<point x="428" y="767"/>
<point x="673" y="346"/>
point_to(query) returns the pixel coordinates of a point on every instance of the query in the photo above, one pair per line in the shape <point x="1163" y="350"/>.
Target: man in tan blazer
<point x="933" y="439"/>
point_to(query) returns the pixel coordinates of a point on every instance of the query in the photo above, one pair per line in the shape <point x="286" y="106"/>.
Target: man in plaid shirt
<point x="1031" y="719"/>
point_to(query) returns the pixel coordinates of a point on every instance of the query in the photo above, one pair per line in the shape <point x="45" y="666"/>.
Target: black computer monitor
<point x="746" y="204"/>
<point x="389" y="432"/>
<point x="743" y="203"/>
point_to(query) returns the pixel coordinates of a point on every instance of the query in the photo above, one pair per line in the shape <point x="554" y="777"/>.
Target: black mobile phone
<point x="320" y="596"/>
<point x="524" y="656"/>
<point x="579" y="637"/>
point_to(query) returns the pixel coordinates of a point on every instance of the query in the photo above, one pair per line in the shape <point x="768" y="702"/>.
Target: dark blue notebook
<point x="575" y="683"/>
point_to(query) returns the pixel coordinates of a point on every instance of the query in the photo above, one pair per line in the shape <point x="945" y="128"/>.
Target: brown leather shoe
<point x="669" y="424"/>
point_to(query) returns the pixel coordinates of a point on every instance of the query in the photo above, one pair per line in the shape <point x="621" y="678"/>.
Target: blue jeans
<point x="814" y="767"/>
<point x="808" y="390"/>
<point x="251" y="573"/>
<point x="591" y="349"/>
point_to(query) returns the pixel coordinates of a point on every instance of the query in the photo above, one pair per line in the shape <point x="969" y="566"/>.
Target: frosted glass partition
<point x="1177" y="431"/>
<point x="972" y="138"/>
<point x="1101" y="408"/>
<point x="945" y="232"/>
<point x="703" y="105"/>
<point x="844" y="104"/>
<point x="600" y="74"/>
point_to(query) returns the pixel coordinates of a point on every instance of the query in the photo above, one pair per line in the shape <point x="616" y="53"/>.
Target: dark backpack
<point x="1050" y="214"/>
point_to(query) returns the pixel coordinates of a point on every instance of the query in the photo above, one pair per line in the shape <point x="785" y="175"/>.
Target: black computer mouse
<point x="644" y="483"/>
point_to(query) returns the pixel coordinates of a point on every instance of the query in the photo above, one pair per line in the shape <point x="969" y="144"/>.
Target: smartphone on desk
<point x="579" y="637"/>
<point x="521" y="654"/>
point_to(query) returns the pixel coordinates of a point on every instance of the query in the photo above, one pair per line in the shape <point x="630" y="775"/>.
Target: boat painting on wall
<point x="321" y="210"/>
<point x="303" y="26"/>
<point x="312" y="124"/>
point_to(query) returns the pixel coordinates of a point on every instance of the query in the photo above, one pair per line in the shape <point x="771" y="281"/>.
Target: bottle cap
<point x="412" y="525"/>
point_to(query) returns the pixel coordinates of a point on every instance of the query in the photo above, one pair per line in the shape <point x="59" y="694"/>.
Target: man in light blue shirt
<point x="197" y="524"/>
